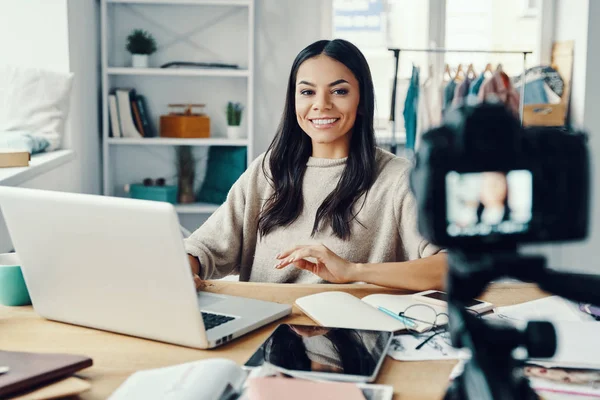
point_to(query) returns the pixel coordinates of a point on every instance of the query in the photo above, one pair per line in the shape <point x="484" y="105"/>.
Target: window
<point x="491" y="25"/>
<point x="376" y="25"/>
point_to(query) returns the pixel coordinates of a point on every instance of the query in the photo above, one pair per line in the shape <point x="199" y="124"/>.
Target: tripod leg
<point x="455" y="390"/>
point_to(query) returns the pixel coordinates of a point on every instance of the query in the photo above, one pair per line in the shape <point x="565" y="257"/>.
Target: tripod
<point x="492" y="372"/>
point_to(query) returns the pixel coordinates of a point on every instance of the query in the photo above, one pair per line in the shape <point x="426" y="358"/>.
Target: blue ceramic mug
<point x="13" y="291"/>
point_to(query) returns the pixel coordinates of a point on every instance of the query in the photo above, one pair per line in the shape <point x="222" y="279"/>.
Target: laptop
<point x="119" y="265"/>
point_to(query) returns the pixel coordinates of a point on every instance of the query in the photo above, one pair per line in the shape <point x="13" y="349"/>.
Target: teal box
<point x="156" y="193"/>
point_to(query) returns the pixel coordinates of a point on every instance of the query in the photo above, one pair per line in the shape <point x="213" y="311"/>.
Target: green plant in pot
<point x="234" y="120"/>
<point x="140" y="44"/>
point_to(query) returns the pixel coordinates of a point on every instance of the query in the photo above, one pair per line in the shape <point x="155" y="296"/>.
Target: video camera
<point x="483" y="184"/>
<point x="483" y="180"/>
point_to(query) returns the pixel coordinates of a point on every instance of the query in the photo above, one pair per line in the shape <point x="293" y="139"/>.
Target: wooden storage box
<point x="554" y="114"/>
<point x="185" y="125"/>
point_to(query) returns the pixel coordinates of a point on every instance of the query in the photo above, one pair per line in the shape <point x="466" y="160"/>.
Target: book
<point x="71" y="386"/>
<point x="343" y="310"/>
<point x="30" y="370"/>
<point x="277" y="388"/>
<point x="145" y="116"/>
<point x="115" y="124"/>
<point x="124" y="98"/>
<point x="14" y="158"/>
<point x="219" y="378"/>
<point x="136" y="116"/>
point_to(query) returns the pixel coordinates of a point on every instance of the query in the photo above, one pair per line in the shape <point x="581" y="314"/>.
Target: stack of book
<point x="129" y="115"/>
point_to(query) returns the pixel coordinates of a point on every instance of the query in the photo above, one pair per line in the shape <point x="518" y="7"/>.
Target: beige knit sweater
<point x="228" y="242"/>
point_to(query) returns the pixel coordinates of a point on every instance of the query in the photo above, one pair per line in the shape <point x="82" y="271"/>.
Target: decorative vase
<point x="186" y="190"/>
<point x="235" y="132"/>
<point x="139" y="60"/>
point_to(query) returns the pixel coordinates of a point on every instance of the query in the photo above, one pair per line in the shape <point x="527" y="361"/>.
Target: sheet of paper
<point x="553" y="308"/>
<point x="199" y="380"/>
<point x="403" y="348"/>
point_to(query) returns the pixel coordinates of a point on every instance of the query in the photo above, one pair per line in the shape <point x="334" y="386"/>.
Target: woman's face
<point x="327" y="97"/>
<point x="494" y="189"/>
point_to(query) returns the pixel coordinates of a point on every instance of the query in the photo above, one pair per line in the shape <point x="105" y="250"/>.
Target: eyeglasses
<point x="421" y="319"/>
<point x="154" y="182"/>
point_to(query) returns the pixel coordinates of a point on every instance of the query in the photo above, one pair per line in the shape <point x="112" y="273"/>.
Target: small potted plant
<point x="234" y="120"/>
<point x="140" y="44"/>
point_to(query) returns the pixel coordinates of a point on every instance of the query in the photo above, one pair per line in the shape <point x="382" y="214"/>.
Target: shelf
<point x="196" y="208"/>
<point x="178" y="142"/>
<point x="184" y="2"/>
<point x="224" y="72"/>
<point x="40" y="164"/>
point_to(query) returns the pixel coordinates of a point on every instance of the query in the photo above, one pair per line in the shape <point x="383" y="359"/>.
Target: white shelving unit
<point x="123" y="158"/>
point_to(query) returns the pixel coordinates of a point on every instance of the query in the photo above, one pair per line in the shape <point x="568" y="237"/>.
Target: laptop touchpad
<point x="209" y="299"/>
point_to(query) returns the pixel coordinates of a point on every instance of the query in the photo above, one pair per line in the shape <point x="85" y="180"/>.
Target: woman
<point x="493" y="204"/>
<point x="311" y="348"/>
<point x="323" y="204"/>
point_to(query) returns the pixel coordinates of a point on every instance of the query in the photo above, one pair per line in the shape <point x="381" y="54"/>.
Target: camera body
<point x="482" y="181"/>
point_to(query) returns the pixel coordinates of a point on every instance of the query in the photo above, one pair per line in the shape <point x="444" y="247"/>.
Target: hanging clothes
<point x="499" y="86"/>
<point x="476" y="85"/>
<point x="461" y="91"/>
<point x="410" y="109"/>
<point x="448" y="95"/>
<point x="429" y="114"/>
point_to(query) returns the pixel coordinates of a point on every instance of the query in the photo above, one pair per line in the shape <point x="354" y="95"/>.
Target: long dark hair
<point x="290" y="149"/>
<point x="287" y="350"/>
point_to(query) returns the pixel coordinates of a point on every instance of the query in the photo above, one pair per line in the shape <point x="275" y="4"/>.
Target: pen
<point x="407" y="321"/>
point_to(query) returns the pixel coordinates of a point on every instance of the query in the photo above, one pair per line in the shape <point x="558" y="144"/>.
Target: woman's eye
<point x="340" y="92"/>
<point x="307" y="92"/>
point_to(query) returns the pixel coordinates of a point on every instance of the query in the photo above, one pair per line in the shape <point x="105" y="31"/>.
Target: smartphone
<point x="435" y="297"/>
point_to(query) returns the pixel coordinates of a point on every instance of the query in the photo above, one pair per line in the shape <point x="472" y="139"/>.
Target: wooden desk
<point x="117" y="356"/>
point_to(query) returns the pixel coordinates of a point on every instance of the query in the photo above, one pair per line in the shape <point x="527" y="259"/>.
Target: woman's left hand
<point x="329" y="266"/>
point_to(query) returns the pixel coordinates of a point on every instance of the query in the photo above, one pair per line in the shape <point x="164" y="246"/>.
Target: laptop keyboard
<point x="213" y="320"/>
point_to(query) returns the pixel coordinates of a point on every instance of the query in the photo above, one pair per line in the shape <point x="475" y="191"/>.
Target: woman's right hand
<point x="195" y="265"/>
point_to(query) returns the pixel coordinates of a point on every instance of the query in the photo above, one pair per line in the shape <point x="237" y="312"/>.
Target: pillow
<point x="225" y="165"/>
<point x="23" y="141"/>
<point x="36" y="101"/>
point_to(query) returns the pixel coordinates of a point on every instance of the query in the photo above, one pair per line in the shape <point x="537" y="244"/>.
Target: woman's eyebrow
<point x="331" y="84"/>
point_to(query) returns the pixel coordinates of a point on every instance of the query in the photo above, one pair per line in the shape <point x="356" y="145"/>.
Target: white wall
<point x="283" y="28"/>
<point x="575" y="21"/>
<point x="60" y="35"/>
<point x="34" y="32"/>
<point x="84" y="125"/>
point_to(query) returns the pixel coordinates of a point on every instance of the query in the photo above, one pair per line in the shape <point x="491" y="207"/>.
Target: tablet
<point x="350" y="355"/>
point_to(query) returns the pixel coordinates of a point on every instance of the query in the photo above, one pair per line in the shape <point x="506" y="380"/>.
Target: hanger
<point x="471" y="72"/>
<point x="447" y="71"/>
<point x="488" y="68"/>
<point x="499" y="67"/>
<point x="458" y="71"/>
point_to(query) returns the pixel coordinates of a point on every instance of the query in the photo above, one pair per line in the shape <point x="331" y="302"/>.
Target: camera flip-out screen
<point x="490" y="202"/>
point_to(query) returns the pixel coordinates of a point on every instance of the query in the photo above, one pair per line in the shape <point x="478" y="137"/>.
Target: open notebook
<point x="343" y="310"/>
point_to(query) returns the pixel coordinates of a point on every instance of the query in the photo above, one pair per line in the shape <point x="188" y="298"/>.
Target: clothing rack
<point x="442" y="50"/>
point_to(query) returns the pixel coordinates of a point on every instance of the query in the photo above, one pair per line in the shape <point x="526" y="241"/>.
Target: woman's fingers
<point x="287" y="252"/>
<point x="198" y="282"/>
<point x="298" y="254"/>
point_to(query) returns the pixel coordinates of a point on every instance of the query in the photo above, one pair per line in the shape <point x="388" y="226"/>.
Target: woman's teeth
<point x="324" y="121"/>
